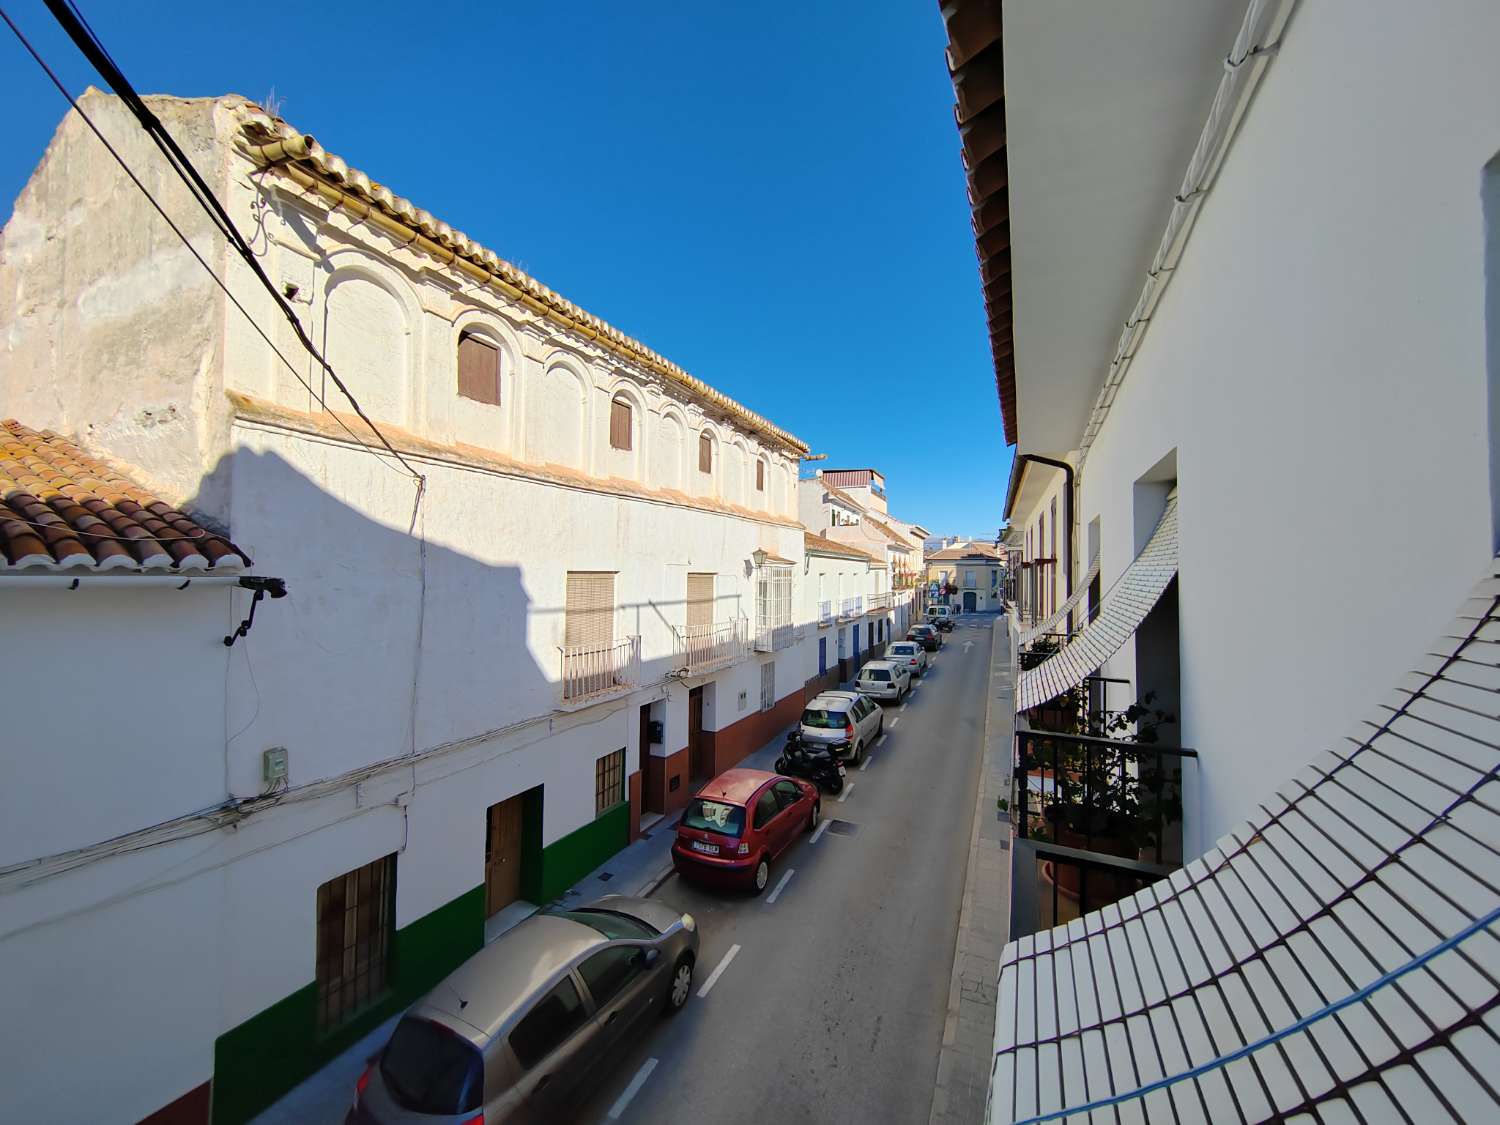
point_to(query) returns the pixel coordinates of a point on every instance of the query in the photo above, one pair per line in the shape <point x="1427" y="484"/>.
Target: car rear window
<point x="429" y="1069"/>
<point x="877" y="675"/>
<point x="714" y="816"/>
<point x="823" y="720"/>
<point x="904" y="649"/>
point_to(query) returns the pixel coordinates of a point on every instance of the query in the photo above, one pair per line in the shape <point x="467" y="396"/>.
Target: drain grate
<point x="843" y="828"/>
<point x="606" y="876"/>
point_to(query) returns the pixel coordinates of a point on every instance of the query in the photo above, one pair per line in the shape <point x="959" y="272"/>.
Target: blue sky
<point x="769" y="195"/>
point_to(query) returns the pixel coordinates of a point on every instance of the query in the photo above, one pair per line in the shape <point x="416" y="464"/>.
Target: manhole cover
<point x="843" y="828"/>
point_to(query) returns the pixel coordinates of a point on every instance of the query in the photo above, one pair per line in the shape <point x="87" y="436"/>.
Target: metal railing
<point x="1102" y="795"/>
<point x="1053" y="885"/>
<point x="852" y="607"/>
<point x="702" y="648"/>
<point x="825" y="612"/>
<point x="594" y="669"/>
<point x="774" y="638"/>
<point x="877" y="602"/>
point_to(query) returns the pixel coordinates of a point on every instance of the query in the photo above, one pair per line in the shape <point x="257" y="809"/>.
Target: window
<point x="773" y="597"/>
<point x="619" y="423"/>
<point x="478" y="370"/>
<point x="841" y="644"/>
<point x="609" y="781"/>
<point x="787" y="793"/>
<point x="356" y="920"/>
<point x="822" y="655"/>
<point x="590" y="616"/>
<point x="968" y="579"/>
<point x="610" y="923"/>
<point x="856" y="641"/>
<point x="760" y="476"/>
<point x="765" y="809"/>
<point x="705" y="453"/>
<point x="700" y="603"/>
<point x="768" y="685"/>
<point x="610" y="970"/>
<point x="555" y="1017"/>
<point x="429" y="1069"/>
<point x="714" y="816"/>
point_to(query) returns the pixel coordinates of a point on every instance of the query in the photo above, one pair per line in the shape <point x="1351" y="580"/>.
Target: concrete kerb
<point x="983" y="923"/>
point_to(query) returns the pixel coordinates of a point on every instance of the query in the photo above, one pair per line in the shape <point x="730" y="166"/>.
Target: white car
<point x="884" y="679"/>
<point x="843" y="720"/>
<point x="913" y="655"/>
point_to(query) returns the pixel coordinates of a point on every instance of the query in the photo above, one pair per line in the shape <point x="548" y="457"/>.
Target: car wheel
<point x="880" y="726"/>
<point x="812" y="821"/>
<point x="836" y="784"/>
<point x="762" y="874"/>
<point x="682" y="985"/>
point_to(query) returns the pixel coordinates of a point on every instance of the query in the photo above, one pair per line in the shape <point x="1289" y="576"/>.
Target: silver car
<point x="524" y="1029"/>
<point x="884" y="679"/>
<point x="910" y="653"/>
<point x="844" y="720"/>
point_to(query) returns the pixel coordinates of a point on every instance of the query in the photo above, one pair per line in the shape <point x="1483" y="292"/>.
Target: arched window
<point x="619" y="422"/>
<point x="478" y="369"/>
<point x="705" y="453"/>
<point x="760" y="476"/>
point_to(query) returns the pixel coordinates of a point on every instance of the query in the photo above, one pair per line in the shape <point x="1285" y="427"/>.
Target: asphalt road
<point x="833" y="989"/>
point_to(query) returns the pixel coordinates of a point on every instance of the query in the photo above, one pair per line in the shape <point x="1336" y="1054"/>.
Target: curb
<point x="656" y="882"/>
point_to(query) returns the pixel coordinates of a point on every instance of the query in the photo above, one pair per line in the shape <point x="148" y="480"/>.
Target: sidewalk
<point x="637" y="870"/>
<point x="983" y="923"/>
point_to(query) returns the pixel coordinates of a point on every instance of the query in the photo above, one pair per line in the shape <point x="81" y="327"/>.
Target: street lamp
<point x="758" y="557"/>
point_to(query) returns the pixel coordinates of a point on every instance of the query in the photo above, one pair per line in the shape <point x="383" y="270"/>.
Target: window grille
<point x="773" y="597"/>
<point x="356" y="922"/>
<point x="478" y="370"/>
<point x="609" y="781"/>
<point x="768" y="685"/>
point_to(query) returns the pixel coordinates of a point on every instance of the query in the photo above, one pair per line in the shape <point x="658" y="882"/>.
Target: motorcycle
<point x="816" y="763"/>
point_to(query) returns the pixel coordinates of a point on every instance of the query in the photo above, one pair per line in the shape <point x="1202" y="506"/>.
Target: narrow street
<point x="826" y="996"/>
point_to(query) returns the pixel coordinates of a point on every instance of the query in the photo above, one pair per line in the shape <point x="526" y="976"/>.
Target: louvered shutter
<point x="700" y="600"/>
<point x="478" y="370"/>
<point x="705" y="454"/>
<point x="760" y="476"/>
<point x="591" y="610"/>
<point x="619" y="424"/>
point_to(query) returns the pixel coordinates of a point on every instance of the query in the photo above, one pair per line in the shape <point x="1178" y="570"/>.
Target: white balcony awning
<point x="1121" y="612"/>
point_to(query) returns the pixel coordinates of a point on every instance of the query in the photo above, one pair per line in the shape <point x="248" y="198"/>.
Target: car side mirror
<point x="650" y="957"/>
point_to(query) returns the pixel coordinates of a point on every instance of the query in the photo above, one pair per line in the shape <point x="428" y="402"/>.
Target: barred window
<point x="356" y="922"/>
<point x="773" y="597"/>
<point x="768" y="685"/>
<point x="609" y="781"/>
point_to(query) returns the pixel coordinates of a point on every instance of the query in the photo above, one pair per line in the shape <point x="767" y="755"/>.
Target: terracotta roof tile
<point x="62" y="509"/>
<point x="826" y="546"/>
<point x="967" y="551"/>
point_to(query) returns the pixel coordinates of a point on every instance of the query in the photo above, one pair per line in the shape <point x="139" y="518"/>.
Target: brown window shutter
<point x="478" y="370"/>
<point x="760" y="476"/>
<point x="590" y="620"/>
<point x="700" y="600"/>
<point x="705" y="454"/>
<point x="619" y="424"/>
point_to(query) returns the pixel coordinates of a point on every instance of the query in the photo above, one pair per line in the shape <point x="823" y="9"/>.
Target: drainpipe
<point x="1015" y="480"/>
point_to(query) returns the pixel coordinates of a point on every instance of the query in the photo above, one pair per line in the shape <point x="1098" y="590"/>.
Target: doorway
<point x="969" y="601"/>
<point x="698" y="767"/>
<point x="504" y="848"/>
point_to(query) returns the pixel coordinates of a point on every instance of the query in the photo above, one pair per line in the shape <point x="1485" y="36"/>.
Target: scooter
<point x="816" y="763"/>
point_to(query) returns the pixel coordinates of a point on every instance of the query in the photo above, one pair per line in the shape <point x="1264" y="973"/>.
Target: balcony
<point x="774" y="638"/>
<point x="592" y="671"/>
<point x="825" y="613"/>
<point x="878" y="603"/>
<point x="1096" y="819"/>
<point x="706" y="648"/>
<point x="852" y="607"/>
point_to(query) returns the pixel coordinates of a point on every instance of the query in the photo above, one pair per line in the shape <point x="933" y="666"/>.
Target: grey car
<point x="845" y="721"/>
<point x="524" y="1029"/>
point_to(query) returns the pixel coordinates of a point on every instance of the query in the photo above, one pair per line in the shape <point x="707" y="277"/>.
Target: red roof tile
<point x="61" y="509"/>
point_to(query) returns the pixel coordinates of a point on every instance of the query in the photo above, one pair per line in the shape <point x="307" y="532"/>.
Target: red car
<point x="738" y="823"/>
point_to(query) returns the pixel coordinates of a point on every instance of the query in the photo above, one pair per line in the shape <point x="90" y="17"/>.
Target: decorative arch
<point x="707" y="468"/>
<point x="557" y="413"/>
<point x="475" y="420"/>
<point x="669" y="449"/>
<point x="624" y="390"/>
<point x="368" y="313"/>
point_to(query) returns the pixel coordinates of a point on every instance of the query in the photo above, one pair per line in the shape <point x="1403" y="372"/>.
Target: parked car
<point x="910" y="653"/>
<point x="845" y="720"/>
<point x="884" y="679"/>
<point x="942" y="617"/>
<point x="925" y="635"/>
<point x="737" y="824"/>
<point x="526" y="1027"/>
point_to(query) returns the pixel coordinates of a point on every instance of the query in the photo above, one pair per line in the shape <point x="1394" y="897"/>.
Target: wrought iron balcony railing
<point x="589" y="670"/>
<point x="774" y="638"/>
<point x="877" y="602"/>
<point x="852" y="607"/>
<point x="703" y="648"/>
<point x="825" y="612"/>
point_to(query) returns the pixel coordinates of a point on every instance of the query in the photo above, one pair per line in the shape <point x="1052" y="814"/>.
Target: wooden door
<point x="697" y="767"/>
<point x="502" y="855"/>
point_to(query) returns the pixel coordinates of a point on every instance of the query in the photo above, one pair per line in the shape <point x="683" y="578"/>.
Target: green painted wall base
<point x="566" y="861"/>
<point x="264" y="1057"/>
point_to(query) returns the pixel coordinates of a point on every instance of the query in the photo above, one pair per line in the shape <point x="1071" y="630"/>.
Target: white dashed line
<point x="902" y="707"/>
<point x="713" y="977"/>
<point x="866" y="763"/>
<point x="896" y="720"/>
<point x="818" y="832"/>
<point x="844" y="796"/>
<point x="623" y="1101"/>
<point x="881" y="740"/>
<point x="781" y="885"/>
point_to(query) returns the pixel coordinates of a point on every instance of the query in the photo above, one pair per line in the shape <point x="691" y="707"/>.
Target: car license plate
<point x="843" y="772"/>
<point x="706" y="849"/>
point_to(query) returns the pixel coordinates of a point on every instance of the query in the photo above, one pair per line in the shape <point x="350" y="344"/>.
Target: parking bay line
<point x="818" y="832"/>
<point x="896" y="720"/>
<point x="713" y="977"/>
<point x="781" y="885"/>
<point x="844" y="796"/>
<point x="623" y="1101"/>
<point x="866" y="763"/>
<point x="881" y="740"/>
<point x="901" y="708"/>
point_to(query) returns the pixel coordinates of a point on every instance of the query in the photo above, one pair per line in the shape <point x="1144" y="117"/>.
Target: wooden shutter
<point x="705" y="454"/>
<point x="700" y="600"/>
<point x="591" y="610"/>
<point x="619" y="424"/>
<point x="478" y="370"/>
<point x="760" y="476"/>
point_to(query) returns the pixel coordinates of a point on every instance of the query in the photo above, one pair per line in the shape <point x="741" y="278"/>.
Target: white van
<point x="936" y="613"/>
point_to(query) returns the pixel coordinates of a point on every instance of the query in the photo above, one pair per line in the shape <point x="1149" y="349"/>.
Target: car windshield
<point x="429" y="1069"/>
<point x="904" y="649"/>
<point x="877" y="675"/>
<point x="714" y="816"/>
<point x="822" y="720"/>
<point x="611" y="923"/>
<point x="922" y="630"/>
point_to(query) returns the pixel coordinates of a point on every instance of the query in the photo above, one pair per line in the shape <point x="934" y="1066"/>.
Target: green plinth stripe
<point x="566" y="861"/>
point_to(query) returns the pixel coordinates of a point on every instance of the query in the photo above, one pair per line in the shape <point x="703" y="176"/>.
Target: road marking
<point x="866" y="763"/>
<point x="821" y="828"/>
<point x="844" y="796"/>
<point x="713" y="977"/>
<point x="903" y="706"/>
<point x="623" y="1101"/>
<point x="881" y="740"/>
<point x="967" y="646"/>
<point x="914" y="687"/>
<point x="780" y="885"/>
<point x="894" y="721"/>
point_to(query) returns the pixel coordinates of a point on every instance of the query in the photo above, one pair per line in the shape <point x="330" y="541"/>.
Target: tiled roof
<point x="967" y="551"/>
<point x="1334" y="959"/>
<point x="843" y="497"/>
<point x="278" y="145"/>
<point x="824" y="546"/>
<point x="894" y="536"/>
<point x="61" y="509"/>
<point x="1122" y="609"/>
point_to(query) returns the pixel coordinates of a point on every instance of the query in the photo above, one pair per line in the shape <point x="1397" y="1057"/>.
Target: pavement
<point x="831" y="997"/>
